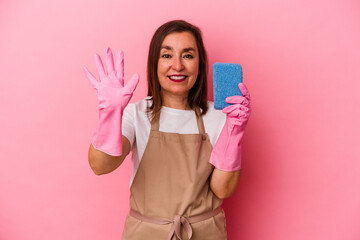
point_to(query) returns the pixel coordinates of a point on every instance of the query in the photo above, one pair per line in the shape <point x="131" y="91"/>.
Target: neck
<point x="175" y="101"/>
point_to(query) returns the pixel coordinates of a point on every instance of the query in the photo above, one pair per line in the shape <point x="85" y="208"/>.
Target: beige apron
<point x="170" y="194"/>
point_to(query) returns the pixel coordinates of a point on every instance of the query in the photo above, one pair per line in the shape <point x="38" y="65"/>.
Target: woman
<point x="179" y="179"/>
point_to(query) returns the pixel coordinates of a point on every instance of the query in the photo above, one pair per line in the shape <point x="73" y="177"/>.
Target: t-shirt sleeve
<point x="128" y="123"/>
<point x="214" y="121"/>
<point x="221" y="119"/>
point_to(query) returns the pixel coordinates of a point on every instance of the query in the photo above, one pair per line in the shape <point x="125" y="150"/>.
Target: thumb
<point x="91" y="78"/>
<point x="244" y="91"/>
<point x="132" y="84"/>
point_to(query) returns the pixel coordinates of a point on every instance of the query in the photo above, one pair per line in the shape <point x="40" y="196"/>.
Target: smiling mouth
<point x="177" y="78"/>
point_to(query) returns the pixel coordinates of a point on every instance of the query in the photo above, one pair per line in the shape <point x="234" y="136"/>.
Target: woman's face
<point x="178" y="65"/>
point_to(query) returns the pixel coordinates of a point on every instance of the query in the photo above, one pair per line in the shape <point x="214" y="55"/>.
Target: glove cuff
<point x="108" y="134"/>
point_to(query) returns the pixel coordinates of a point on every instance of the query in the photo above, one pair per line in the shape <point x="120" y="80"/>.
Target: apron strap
<point x="199" y="121"/>
<point x="178" y="222"/>
<point x="155" y="123"/>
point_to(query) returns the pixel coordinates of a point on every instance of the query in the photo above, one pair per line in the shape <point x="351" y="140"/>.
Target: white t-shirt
<point x="136" y="125"/>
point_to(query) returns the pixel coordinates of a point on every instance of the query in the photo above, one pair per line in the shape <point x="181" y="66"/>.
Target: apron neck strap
<point x="199" y="120"/>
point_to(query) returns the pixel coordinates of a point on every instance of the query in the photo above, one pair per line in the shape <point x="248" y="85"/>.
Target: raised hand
<point x="226" y="154"/>
<point x="110" y="88"/>
<point x="113" y="97"/>
<point x="238" y="114"/>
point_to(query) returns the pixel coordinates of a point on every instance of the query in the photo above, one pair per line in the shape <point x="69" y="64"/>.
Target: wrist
<point x="108" y="134"/>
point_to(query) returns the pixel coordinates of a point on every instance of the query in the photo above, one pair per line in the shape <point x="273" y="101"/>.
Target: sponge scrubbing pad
<point x="226" y="78"/>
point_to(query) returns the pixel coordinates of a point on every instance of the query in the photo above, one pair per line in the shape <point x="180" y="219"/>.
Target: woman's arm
<point x="223" y="184"/>
<point x="226" y="154"/>
<point x="102" y="163"/>
<point x="109" y="147"/>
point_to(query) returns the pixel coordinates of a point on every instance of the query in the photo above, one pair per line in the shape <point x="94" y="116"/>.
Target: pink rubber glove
<point x="113" y="97"/>
<point x="226" y="154"/>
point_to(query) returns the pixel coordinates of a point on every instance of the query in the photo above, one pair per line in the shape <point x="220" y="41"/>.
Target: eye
<point x="188" y="56"/>
<point x="166" y="56"/>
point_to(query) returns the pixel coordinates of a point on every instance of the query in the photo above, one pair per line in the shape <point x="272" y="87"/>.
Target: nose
<point x="177" y="64"/>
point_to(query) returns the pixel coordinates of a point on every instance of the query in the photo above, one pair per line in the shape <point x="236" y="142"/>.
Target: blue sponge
<point x="226" y="78"/>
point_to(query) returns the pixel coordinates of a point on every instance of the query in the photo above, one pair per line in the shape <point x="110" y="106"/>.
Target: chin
<point x="177" y="91"/>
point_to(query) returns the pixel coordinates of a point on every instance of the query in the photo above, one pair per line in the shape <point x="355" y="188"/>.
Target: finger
<point x="229" y="109"/>
<point x="233" y="107"/>
<point x="99" y="66"/>
<point x="244" y="91"/>
<point x="241" y="121"/>
<point x="245" y="109"/>
<point x="237" y="99"/>
<point x="120" y="66"/>
<point x="244" y="117"/>
<point x="237" y="114"/>
<point x="234" y="111"/>
<point x="91" y="78"/>
<point x="131" y="85"/>
<point x="109" y="61"/>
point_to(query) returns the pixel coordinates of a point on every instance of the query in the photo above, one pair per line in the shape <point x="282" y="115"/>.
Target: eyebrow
<point x="184" y="50"/>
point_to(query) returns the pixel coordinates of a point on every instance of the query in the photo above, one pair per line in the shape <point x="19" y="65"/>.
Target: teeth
<point x="177" y="77"/>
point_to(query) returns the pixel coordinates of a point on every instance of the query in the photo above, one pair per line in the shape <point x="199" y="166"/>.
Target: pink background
<point x="301" y="170"/>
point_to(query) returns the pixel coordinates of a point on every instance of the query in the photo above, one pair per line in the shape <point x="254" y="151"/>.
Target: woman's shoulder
<point x="214" y="115"/>
<point x="138" y="111"/>
<point x="212" y="111"/>
<point x="141" y="105"/>
<point x="214" y="120"/>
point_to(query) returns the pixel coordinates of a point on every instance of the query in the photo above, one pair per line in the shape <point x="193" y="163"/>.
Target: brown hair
<point x="197" y="97"/>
